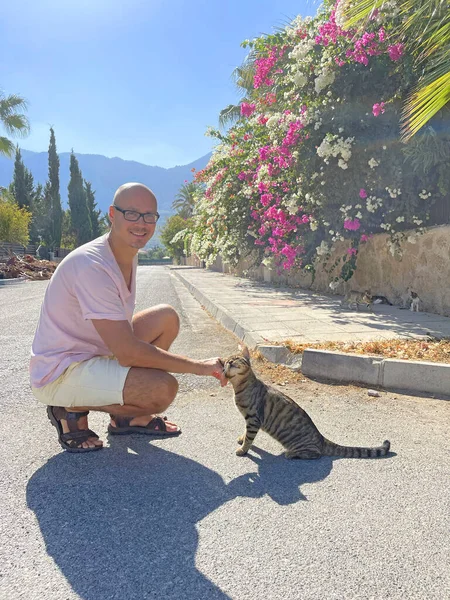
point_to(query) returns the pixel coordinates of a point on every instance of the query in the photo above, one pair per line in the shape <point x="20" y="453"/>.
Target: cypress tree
<point x="29" y="186"/>
<point x="19" y="183"/>
<point x="93" y="212"/>
<point x="79" y="211"/>
<point x="54" y="194"/>
<point x="38" y="218"/>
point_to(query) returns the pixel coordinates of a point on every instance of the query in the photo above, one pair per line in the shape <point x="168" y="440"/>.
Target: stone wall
<point x="423" y="267"/>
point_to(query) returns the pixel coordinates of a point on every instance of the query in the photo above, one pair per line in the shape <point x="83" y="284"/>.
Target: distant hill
<point x="107" y="174"/>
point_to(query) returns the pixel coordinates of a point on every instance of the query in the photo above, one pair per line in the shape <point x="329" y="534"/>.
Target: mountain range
<point x="107" y="174"/>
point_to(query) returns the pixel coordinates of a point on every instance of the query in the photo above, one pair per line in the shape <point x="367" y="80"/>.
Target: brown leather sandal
<point x="157" y="427"/>
<point x="72" y="440"/>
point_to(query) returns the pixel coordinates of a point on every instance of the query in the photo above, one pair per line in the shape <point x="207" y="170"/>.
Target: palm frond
<point x="425" y="30"/>
<point x="243" y="75"/>
<point x="16" y="125"/>
<point x="423" y="104"/>
<point x="440" y="37"/>
<point x="11" y="104"/>
<point x="358" y="13"/>
<point x="426" y="150"/>
<point x="229" y="115"/>
<point x="7" y="148"/>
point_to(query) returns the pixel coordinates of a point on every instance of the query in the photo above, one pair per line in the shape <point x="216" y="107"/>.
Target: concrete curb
<point x="390" y="374"/>
<point x="13" y="281"/>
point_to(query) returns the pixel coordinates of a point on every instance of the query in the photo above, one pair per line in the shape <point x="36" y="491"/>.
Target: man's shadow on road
<point x="122" y="525"/>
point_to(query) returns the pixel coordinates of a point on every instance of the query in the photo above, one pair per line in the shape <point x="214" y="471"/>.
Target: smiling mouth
<point x="140" y="235"/>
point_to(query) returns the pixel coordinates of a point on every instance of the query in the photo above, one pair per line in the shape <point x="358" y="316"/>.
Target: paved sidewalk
<point x="258" y="312"/>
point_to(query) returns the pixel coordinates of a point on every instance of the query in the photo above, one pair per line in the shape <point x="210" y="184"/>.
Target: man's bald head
<point x="133" y="234"/>
<point x="131" y="195"/>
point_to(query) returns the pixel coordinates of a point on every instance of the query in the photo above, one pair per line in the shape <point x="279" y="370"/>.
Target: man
<point x="91" y="353"/>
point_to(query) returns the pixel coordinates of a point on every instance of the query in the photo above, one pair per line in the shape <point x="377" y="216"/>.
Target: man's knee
<point x="162" y="314"/>
<point x="170" y="316"/>
<point x="150" y="389"/>
<point x="171" y="386"/>
<point x="168" y="391"/>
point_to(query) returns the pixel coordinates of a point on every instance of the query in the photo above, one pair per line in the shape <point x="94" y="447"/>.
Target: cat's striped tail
<point x="332" y="449"/>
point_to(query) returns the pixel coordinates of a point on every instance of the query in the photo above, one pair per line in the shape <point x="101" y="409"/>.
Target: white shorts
<point x="98" y="381"/>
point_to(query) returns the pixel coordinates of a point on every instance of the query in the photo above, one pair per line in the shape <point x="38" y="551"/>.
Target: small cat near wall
<point x="357" y="298"/>
<point x="411" y="299"/>
<point x="264" y="407"/>
<point x="414" y="302"/>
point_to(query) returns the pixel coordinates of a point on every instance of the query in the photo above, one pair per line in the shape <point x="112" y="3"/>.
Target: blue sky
<point x="138" y="79"/>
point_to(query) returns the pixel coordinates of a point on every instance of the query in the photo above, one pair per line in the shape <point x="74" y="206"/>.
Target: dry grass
<point x="271" y="372"/>
<point x="432" y="351"/>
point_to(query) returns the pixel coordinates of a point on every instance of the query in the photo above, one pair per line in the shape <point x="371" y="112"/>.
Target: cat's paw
<point x="240" y="440"/>
<point x="240" y="452"/>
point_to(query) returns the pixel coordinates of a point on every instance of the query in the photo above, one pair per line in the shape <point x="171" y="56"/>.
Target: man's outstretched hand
<point x="214" y="367"/>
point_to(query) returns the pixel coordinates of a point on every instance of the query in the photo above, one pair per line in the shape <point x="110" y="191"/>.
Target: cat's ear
<point x="244" y="351"/>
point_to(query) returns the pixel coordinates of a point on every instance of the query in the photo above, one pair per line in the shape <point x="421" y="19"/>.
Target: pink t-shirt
<point x="88" y="284"/>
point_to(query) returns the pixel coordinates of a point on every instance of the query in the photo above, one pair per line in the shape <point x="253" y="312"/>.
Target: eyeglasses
<point x="134" y="215"/>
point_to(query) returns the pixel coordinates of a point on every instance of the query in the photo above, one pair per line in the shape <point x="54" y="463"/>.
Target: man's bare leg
<point x="146" y="391"/>
<point x="158" y="326"/>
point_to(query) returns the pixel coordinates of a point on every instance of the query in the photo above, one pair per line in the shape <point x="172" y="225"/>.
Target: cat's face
<point x="235" y="365"/>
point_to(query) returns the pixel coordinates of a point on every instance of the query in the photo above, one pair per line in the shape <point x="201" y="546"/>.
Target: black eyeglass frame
<point x="155" y="215"/>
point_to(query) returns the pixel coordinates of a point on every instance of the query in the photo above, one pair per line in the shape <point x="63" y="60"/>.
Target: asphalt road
<point x="186" y="519"/>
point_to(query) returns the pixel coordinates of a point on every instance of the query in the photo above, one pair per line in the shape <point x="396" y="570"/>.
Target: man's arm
<point x="133" y="352"/>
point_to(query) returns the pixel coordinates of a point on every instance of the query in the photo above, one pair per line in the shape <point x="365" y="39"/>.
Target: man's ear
<point x="244" y="351"/>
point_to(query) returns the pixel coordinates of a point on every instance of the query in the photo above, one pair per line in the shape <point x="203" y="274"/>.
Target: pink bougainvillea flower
<point x="352" y="225"/>
<point x="264" y="152"/>
<point x="378" y="109"/>
<point x="247" y="109"/>
<point x="395" y="51"/>
<point x="367" y="38"/>
<point x="364" y="237"/>
<point x="352" y="251"/>
<point x="381" y="34"/>
<point x="263" y="66"/>
<point x="265" y="199"/>
<point x="362" y="193"/>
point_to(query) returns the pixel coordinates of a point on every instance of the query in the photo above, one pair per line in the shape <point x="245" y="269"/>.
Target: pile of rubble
<point x="26" y="266"/>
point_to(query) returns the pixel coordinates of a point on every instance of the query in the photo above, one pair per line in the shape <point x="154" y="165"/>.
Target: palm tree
<point x="185" y="199"/>
<point x="425" y="31"/>
<point x="243" y="80"/>
<point x="13" y="120"/>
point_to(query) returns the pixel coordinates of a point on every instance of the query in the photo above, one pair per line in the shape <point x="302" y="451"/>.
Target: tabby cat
<point x="357" y="298"/>
<point x="266" y="408"/>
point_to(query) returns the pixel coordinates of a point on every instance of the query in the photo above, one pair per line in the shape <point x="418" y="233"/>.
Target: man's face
<point x="133" y="234"/>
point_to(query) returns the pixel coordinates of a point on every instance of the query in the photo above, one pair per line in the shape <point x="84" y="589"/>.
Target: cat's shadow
<point x="281" y="479"/>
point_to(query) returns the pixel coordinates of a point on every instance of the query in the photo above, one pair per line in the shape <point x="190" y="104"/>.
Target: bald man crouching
<point x="89" y="351"/>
